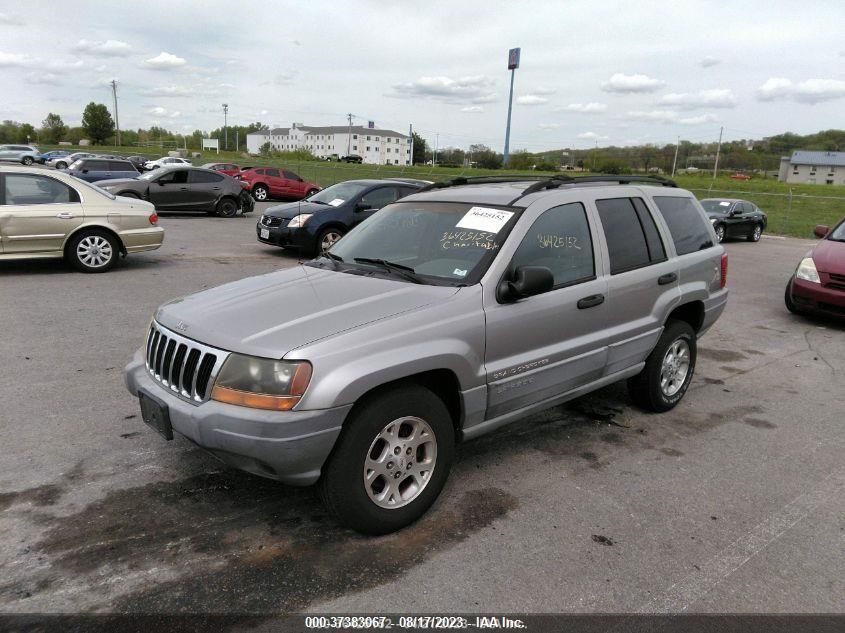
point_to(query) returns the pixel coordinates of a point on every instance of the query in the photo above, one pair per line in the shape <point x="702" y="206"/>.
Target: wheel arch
<point x="691" y="312"/>
<point x="94" y="227"/>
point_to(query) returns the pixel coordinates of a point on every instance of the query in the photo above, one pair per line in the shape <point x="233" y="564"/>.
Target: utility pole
<point x="225" y="124"/>
<point x="718" y="151"/>
<point x="349" y="135"/>
<point x="436" y="145"/>
<point x="116" y="121"/>
<point x="675" y="161"/>
<point x="236" y="139"/>
<point x="411" y="136"/>
<point x="513" y="64"/>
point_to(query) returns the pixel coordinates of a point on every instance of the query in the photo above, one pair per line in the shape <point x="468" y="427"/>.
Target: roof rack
<point x="549" y="183"/>
<point x="479" y="180"/>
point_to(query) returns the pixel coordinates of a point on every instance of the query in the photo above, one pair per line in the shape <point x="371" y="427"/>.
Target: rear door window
<point x="26" y="189"/>
<point x="379" y="198"/>
<point x="204" y="176"/>
<point x="120" y="166"/>
<point x="95" y="165"/>
<point x="274" y="173"/>
<point x="625" y="231"/>
<point x="689" y="231"/>
<point x="290" y="175"/>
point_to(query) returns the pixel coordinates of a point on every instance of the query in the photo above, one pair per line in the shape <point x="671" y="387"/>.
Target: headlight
<point x="713" y="220"/>
<point x="807" y="270"/>
<point x="261" y="383"/>
<point x="299" y="220"/>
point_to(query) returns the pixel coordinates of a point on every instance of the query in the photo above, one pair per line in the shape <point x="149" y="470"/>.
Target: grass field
<point x="792" y="209"/>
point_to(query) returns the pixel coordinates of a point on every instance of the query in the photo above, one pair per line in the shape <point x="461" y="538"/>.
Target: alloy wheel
<point x="328" y="240"/>
<point x="94" y="251"/>
<point x="675" y="367"/>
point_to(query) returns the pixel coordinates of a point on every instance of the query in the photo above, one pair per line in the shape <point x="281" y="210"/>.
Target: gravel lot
<point x="733" y="502"/>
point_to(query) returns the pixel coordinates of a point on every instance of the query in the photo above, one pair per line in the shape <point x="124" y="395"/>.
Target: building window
<point x="829" y="181"/>
<point x="355" y="147"/>
<point x="377" y="148"/>
<point x="813" y="169"/>
<point x="368" y="147"/>
<point x="355" y="137"/>
<point x="368" y="138"/>
<point x="388" y="149"/>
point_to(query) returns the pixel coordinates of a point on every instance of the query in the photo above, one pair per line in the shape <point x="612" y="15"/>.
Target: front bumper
<point x="284" y="236"/>
<point x="289" y="446"/>
<point x="815" y="297"/>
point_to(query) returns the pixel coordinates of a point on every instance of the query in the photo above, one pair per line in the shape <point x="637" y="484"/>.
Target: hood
<point x="292" y="209"/>
<point x="829" y="257"/>
<point x="272" y="314"/>
<point x="115" y="182"/>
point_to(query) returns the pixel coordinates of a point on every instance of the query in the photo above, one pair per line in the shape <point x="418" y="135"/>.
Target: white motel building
<point x="376" y="147"/>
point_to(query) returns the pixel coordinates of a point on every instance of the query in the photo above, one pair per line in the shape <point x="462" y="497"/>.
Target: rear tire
<point x="755" y="234"/>
<point x="720" y="233"/>
<point x="668" y="370"/>
<point x="227" y="208"/>
<point x="92" y="251"/>
<point x="390" y="462"/>
<point x="27" y="160"/>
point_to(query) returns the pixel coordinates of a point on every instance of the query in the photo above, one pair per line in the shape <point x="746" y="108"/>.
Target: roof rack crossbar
<point x="477" y="180"/>
<point x="552" y="182"/>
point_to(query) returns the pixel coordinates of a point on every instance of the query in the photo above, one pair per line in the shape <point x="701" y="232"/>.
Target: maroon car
<point x="230" y="169"/>
<point x="272" y="182"/>
<point x="818" y="284"/>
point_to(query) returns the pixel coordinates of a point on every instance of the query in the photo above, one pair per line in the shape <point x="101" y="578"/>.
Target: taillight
<point x="154" y="218"/>
<point x="724" y="270"/>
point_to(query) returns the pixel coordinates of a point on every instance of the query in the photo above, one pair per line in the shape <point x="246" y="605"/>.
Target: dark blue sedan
<point x="56" y="153"/>
<point x="313" y="225"/>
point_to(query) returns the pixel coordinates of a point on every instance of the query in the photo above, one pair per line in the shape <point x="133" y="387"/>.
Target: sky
<point x="591" y="73"/>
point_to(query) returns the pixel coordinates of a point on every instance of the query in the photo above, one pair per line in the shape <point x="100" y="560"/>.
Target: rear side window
<point x="204" y="176"/>
<point x="632" y="237"/>
<point x="689" y="231"/>
<point x="272" y="172"/>
<point x="94" y="165"/>
<point x="559" y="240"/>
<point x="121" y="166"/>
<point x="291" y="176"/>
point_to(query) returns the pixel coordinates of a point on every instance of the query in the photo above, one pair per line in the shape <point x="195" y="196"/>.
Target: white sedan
<point x="166" y="161"/>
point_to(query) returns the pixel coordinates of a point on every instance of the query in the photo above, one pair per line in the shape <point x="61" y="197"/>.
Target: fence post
<point x="788" y="210"/>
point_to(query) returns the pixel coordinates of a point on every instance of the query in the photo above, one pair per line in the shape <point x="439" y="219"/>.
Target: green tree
<point x="26" y="134"/>
<point x="53" y="129"/>
<point x="97" y="122"/>
<point x="419" y="149"/>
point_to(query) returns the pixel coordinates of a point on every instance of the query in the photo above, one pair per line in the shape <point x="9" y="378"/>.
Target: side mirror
<point x="160" y="182"/>
<point x="527" y="281"/>
<point x="84" y="171"/>
<point x="821" y="230"/>
<point x="363" y="206"/>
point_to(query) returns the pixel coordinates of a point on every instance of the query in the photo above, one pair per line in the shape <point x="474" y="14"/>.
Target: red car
<point x="229" y="169"/>
<point x="818" y="284"/>
<point x="272" y="182"/>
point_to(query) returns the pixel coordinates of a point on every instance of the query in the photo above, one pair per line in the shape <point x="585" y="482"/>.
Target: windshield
<point x="715" y="206"/>
<point x="79" y="181"/>
<point x="339" y="193"/>
<point x="838" y="234"/>
<point x="442" y="242"/>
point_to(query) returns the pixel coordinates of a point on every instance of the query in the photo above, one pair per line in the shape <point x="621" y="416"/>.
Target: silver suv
<point x="444" y="316"/>
<point x="24" y="154"/>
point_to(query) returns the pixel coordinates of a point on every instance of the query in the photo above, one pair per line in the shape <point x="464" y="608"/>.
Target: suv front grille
<point x="268" y="220"/>
<point x="184" y="367"/>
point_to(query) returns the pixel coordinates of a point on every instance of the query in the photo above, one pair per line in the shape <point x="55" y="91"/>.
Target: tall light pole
<point x="718" y="151"/>
<point x="675" y="161"/>
<point x="513" y="64"/>
<point x="225" y="129"/>
<point x="116" y="121"/>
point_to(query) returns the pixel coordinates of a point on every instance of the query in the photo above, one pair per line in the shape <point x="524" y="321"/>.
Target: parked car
<point x="333" y="158"/>
<point x="185" y="189"/>
<point x="446" y="315"/>
<point x="734" y="218"/>
<point x="54" y="215"/>
<point x="818" y="284"/>
<point x="138" y="161"/>
<point x="24" y="154"/>
<point x="167" y="161"/>
<point x="271" y="182"/>
<point x="314" y="225"/>
<point x="56" y="153"/>
<point x="229" y="169"/>
<point x="62" y="162"/>
<point x="352" y="158"/>
<point x="95" y="169"/>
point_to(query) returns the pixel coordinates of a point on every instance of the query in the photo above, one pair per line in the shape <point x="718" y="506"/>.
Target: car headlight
<point x="299" y="220"/>
<point x="713" y="221"/>
<point x="807" y="270"/>
<point x="261" y="383"/>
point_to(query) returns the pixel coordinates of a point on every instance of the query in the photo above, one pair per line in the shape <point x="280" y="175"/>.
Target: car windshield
<point x="715" y="206"/>
<point x="339" y="193"/>
<point x="838" y="234"/>
<point x="442" y="243"/>
<point x="88" y="185"/>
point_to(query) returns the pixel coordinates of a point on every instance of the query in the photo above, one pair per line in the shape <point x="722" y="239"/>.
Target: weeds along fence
<point x="789" y="214"/>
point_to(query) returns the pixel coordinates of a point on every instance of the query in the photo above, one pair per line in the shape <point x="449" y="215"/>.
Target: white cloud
<point x="14" y="20"/>
<point x="548" y="126"/>
<point x="593" y="107"/>
<point x="475" y="89"/>
<point x="543" y="90"/>
<point x="101" y="68"/>
<point x="109" y="48"/>
<point x="698" y="120"/>
<point x="716" y="98"/>
<point x="15" y="59"/>
<point x="64" y="64"/>
<point x="167" y="91"/>
<point x="281" y="79"/>
<point x="164" y="61"/>
<point x="809" y="91"/>
<point x="473" y="108"/>
<point x="48" y="79"/>
<point x="632" y="83"/>
<point x="531" y="100"/>
<point x="658" y="116"/>
<point x="709" y="61"/>
<point x="591" y="136"/>
<point x="264" y="112"/>
<point x="157" y="111"/>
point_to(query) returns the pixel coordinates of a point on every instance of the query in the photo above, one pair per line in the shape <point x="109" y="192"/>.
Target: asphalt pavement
<point x="732" y="502"/>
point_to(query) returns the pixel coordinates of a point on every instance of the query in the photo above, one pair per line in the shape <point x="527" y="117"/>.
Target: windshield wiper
<point x="316" y="201"/>
<point x="333" y="258"/>
<point x="400" y="269"/>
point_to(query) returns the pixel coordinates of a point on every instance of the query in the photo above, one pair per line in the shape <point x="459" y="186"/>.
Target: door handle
<point x="183" y="188"/>
<point x="590" y="302"/>
<point x="668" y="278"/>
<point x="64" y="215"/>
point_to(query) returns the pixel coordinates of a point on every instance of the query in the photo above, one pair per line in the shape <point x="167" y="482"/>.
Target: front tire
<point x="787" y="299"/>
<point x="720" y="233"/>
<point x="27" y="160"/>
<point x="61" y="165"/>
<point x="227" y="208"/>
<point x="260" y="193"/>
<point x="668" y="370"/>
<point x="756" y="233"/>
<point x="93" y="251"/>
<point x="327" y="238"/>
<point x="390" y="462"/>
